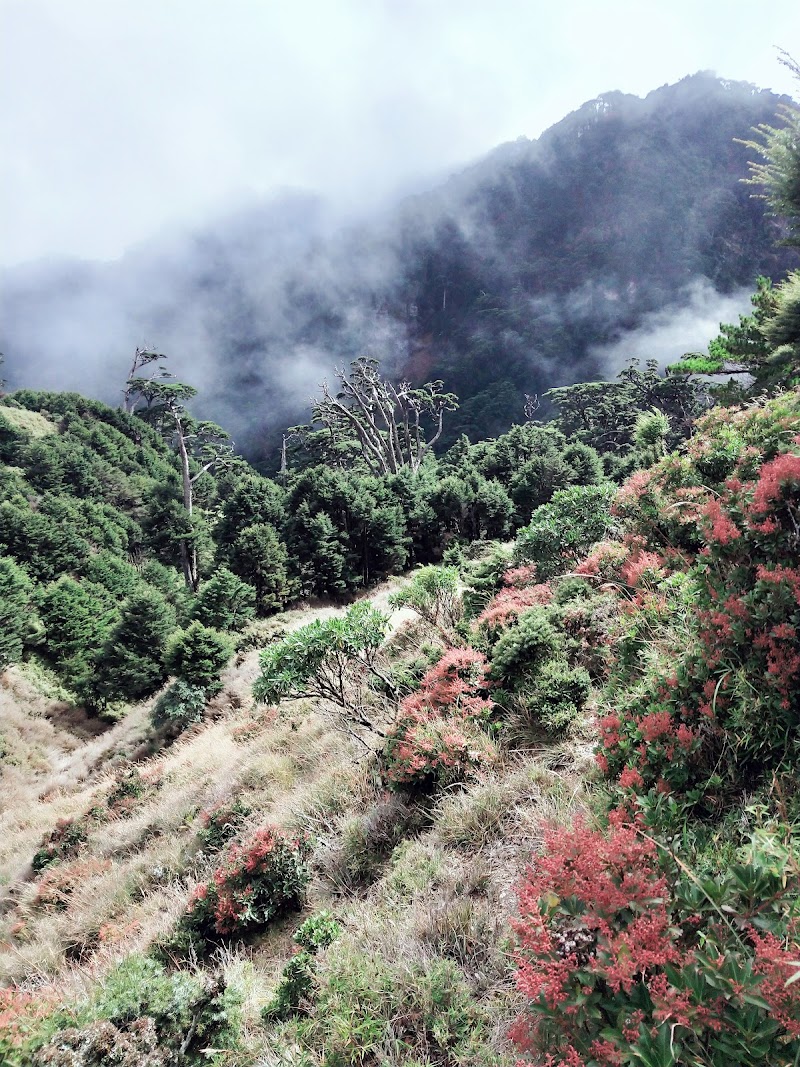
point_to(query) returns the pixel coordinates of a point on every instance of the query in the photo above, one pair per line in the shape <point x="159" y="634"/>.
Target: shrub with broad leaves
<point x="563" y="531"/>
<point x="625" y="960"/>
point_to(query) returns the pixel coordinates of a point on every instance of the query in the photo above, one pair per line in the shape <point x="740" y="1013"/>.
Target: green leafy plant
<point x="524" y="648"/>
<point x="144" y="1015"/>
<point x="562" y="531"/>
<point x="330" y="659"/>
<point x="296" y="984"/>
<point x="179" y="706"/>
<point x="434" y="594"/>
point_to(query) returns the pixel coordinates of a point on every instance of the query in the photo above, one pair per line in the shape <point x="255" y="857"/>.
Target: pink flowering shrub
<point x="622" y="962"/>
<point x="736" y="671"/>
<point x="437" y="737"/>
<point x="22" y="1013"/>
<point x="254" y="883"/>
<point x="629" y="954"/>
<point x="513" y="600"/>
<point x="426" y="750"/>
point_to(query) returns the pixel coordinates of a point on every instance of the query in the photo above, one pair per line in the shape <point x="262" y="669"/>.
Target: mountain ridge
<point x="504" y="279"/>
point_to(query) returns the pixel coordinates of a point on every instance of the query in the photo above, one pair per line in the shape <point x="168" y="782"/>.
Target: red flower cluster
<point x="520" y="593"/>
<point x="607" y="955"/>
<point x="437" y="736"/>
<point x="255" y="882"/>
<point x="593" y="923"/>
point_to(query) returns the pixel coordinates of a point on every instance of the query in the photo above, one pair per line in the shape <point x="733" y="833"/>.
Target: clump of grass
<point x="506" y="807"/>
<point x="364" y="842"/>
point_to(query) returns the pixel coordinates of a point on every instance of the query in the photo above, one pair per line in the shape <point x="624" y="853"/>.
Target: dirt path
<point x="50" y="746"/>
<point x="239" y="677"/>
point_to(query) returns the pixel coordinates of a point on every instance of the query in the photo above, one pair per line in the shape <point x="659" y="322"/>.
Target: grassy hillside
<point x="553" y="813"/>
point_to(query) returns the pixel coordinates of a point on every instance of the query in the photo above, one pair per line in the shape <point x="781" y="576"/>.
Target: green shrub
<point x="297" y="981"/>
<point x="562" y="531"/>
<point x="483" y="579"/>
<point x="433" y="593"/>
<point x="523" y="649"/>
<point x="180" y="706"/>
<point x="558" y="695"/>
<point x="329" y="659"/>
<point x="318" y="931"/>
<point x="142" y="1015"/>
<point x="198" y="655"/>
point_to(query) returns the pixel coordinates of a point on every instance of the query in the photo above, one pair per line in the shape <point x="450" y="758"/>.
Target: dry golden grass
<point x="444" y="893"/>
<point x="276" y="764"/>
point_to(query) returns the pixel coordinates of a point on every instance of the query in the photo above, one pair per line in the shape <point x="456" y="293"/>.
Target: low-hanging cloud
<point x="667" y="334"/>
<point x="127" y="117"/>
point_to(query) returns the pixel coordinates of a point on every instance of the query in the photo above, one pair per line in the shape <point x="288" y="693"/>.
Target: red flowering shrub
<point x="454" y="684"/>
<point x="22" y="1014"/>
<point x="437" y="738"/>
<point x="604" y="562"/>
<point x="736" y="672"/>
<point x="507" y="605"/>
<point x="58" y="883"/>
<point x="627" y="956"/>
<point x="618" y="959"/>
<point x="254" y="883"/>
<point x="428" y="750"/>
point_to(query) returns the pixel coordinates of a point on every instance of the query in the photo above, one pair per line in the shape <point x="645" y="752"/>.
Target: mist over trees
<point x="517" y="275"/>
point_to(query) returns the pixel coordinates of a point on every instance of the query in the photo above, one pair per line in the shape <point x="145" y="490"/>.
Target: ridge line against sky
<point x="120" y="119"/>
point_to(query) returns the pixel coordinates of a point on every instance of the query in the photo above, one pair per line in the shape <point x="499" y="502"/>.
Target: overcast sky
<point x="120" y="117"/>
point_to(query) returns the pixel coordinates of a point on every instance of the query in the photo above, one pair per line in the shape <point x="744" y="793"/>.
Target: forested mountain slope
<point x="534" y="801"/>
<point x="503" y="281"/>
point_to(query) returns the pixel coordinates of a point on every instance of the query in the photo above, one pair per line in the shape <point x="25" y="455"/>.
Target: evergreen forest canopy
<point x="623" y="574"/>
<point x="505" y="281"/>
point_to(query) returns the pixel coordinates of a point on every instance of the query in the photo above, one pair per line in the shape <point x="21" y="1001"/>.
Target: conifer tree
<point x="132" y="663"/>
<point x="76" y="623"/>
<point x="198" y="655"/>
<point x="260" y="558"/>
<point x="15" y="596"/>
<point x="225" y="601"/>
